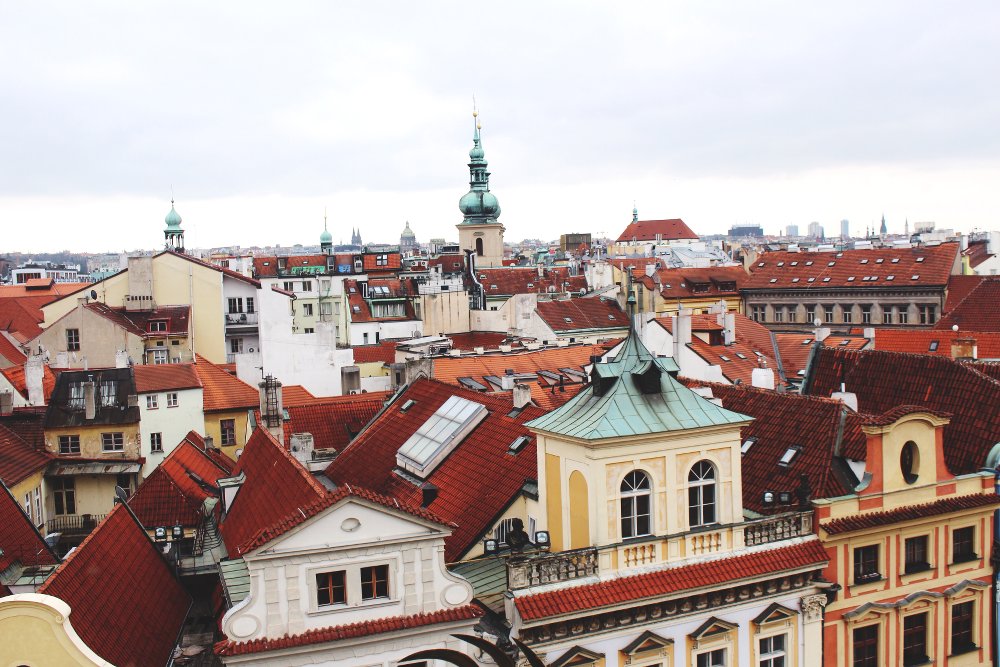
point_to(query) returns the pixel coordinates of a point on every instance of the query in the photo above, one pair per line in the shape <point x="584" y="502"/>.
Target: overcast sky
<point x="259" y="115"/>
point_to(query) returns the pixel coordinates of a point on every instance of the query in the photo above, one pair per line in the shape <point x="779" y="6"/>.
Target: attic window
<point x="741" y="355"/>
<point x="407" y="405"/>
<point x="530" y="285"/>
<point x="827" y="279"/>
<point x="353" y="290"/>
<point x="267" y="263"/>
<point x="568" y="319"/>
<point x="864" y="261"/>
<point x="724" y="357"/>
<point x="920" y="259"/>
<point x="809" y="263"/>
<point x="795" y="280"/>
<point x="611" y="316"/>
<point x="915" y="276"/>
<point x="357" y="309"/>
<point x="810" y="280"/>
<point x="518" y="444"/>
<point x="895" y="260"/>
<point x="493" y="286"/>
<point x="439" y="435"/>
<point x="840" y="254"/>
<point x="845" y="342"/>
<point x="285" y="415"/>
<point x="793" y="263"/>
<point x="850" y="279"/>
<point x="760" y="265"/>
<point x="781" y="263"/>
<point x="934" y="346"/>
<point x="807" y="341"/>
<point x="831" y="263"/>
<point x="889" y="277"/>
<point x="482" y="276"/>
<point x="774" y="280"/>
<point x="747" y="444"/>
<point x="879" y="260"/>
<point x="789" y="456"/>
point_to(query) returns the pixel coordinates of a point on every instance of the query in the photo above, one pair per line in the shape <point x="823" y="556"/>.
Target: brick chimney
<point x="964" y="348"/>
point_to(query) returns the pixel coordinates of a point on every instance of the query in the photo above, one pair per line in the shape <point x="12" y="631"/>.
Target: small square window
<point x="113" y="442"/>
<point x="331" y="588"/>
<point x="172" y="399"/>
<point x="152" y="401"/>
<point x="69" y="444"/>
<point x="375" y="582"/>
<point x="916" y="554"/>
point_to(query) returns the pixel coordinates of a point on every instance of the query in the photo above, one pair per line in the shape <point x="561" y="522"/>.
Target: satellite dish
<point x="121" y="494"/>
<point x="93" y="294"/>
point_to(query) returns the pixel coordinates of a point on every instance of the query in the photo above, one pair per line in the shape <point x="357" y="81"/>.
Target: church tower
<point x="173" y="234"/>
<point x="479" y="231"/>
<point x="325" y="239"/>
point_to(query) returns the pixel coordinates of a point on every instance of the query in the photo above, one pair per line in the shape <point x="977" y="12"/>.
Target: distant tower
<point x="173" y="234"/>
<point x="845" y="229"/>
<point x="906" y="227"/>
<point x="882" y="231"/>
<point x="326" y="239"/>
<point x="356" y="237"/>
<point x="407" y="240"/>
<point x="480" y="232"/>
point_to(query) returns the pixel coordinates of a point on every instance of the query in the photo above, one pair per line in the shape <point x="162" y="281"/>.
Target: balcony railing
<point x="79" y="524"/>
<point x="777" y="528"/>
<point x="241" y="319"/>
<point x="549" y="568"/>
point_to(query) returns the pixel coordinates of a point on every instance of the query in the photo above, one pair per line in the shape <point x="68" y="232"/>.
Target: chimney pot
<point x="521" y="395"/>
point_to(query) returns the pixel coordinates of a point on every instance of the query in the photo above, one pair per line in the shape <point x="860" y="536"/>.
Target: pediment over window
<point x="775" y="612"/>
<point x="713" y="627"/>
<point x="578" y="657"/>
<point x="647" y="641"/>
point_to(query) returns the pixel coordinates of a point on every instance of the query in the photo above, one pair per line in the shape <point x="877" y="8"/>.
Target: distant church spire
<point x="883" y="230"/>
<point x="478" y="205"/>
<point x="173" y="234"/>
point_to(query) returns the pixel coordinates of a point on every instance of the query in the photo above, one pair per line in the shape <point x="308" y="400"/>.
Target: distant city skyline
<point x="725" y="115"/>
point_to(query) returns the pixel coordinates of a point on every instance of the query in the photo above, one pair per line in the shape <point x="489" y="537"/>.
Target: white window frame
<point x="171" y="399"/>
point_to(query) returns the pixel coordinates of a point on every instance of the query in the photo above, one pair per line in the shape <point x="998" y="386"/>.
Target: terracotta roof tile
<point x="383" y="352"/>
<point x="782" y="270"/>
<point x="885" y="380"/>
<point x="550" y="398"/>
<point x="469" y="341"/>
<point x="475" y="482"/>
<point x="127" y="604"/>
<point x="959" y="288"/>
<point x="19" y="541"/>
<point x="295" y="394"/>
<point x="11" y="352"/>
<point x="871" y="520"/>
<point x="694" y="282"/>
<point x="224" y="392"/>
<point x="795" y="349"/>
<point x="590" y="314"/>
<point x="164" y="377"/>
<point x="138" y="321"/>
<point x="267" y="266"/>
<point x="351" y="631"/>
<point x="449" y="369"/>
<point x="18" y="459"/>
<point x="360" y="310"/>
<point x="936" y="341"/>
<point x="648" y="230"/>
<point x="517" y="280"/>
<point x="977" y="252"/>
<point x="978" y="311"/>
<point x="15" y="375"/>
<point x="333" y="421"/>
<point x="394" y="262"/>
<point x="663" y="582"/>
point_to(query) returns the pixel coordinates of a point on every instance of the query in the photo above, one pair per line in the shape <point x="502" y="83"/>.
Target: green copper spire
<point x="478" y="205"/>
<point x="173" y="219"/>
<point x="634" y="394"/>
<point x="635" y="213"/>
<point x="326" y="238"/>
<point x="883" y="230"/>
<point x="173" y="234"/>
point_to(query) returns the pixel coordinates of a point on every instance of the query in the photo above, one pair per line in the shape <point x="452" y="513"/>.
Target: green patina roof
<point x="635" y="394"/>
<point x="235" y="580"/>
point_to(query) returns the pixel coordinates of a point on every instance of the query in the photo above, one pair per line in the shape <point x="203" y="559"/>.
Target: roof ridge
<point x="79" y="548"/>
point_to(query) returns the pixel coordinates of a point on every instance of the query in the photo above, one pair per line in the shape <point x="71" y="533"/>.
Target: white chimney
<point x="821" y="333"/>
<point x="6" y="403"/>
<point x="507" y="382"/>
<point x="729" y="328"/>
<point x="302" y="446"/>
<point x="849" y="398"/>
<point x="34" y="374"/>
<point x="869" y="333"/>
<point x="89" y="400"/>
<point x="762" y="378"/>
<point x="121" y="359"/>
<point x="521" y="395"/>
<point x="681" y="326"/>
<point x="650" y="269"/>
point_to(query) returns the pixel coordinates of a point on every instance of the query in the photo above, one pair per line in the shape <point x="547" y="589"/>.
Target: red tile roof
<point x="977" y="252"/>
<point x="517" y="280"/>
<point x="371" y="263"/>
<point x="350" y="631"/>
<point x="267" y="266"/>
<point x="823" y="427"/>
<point x="383" y="352"/>
<point x="921" y="341"/>
<point x="783" y="270"/>
<point x="450" y="263"/>
<point x="663" y="582"/>
<point x="360" y="311"/>
<point x="550" y="398"/>
<point x="885" y="380"/>
<point x="648" y="230"/>
<point x="469" y="341"/>
<point x="19" y="459"/>
<point x="15" y="375"/>
<point x="128" y="606"/>
<point x="701" y="283"/>
<point x="276" y="487"/>
<point x="11" y="352"/>
<point x="52" y="292"/>
<point x="959" y="288"/>
<point x="137" y="321"/>
<point x="449" y="369"/>
<point x="978" y="311"/>
<point x="21" y="316"/>
<point x="165" y="377"/>
<point x="871" y="520"/>
<point x="172" y="495"/>
<point x="19" y="541"/>
<point x="476" y="481"/>
<point x="224" y="392"/>
<point x="333" y="421"/>
<point x="795" y="349"/>
<point x="295" y="394"/>
<point x="583" y="314"/>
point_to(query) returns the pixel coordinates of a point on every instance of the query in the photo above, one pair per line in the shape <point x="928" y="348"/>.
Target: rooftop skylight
<point x="789" y="456"/>
<point x="518" y="444"/>
<point x="439" y="435"/>
<point x="747" y="444"/>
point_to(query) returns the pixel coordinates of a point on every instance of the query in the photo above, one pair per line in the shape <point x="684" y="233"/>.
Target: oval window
<point x="909" y="462"/>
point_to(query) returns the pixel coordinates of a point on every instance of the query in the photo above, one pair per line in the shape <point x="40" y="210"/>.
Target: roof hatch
<point x="439" y="435"/>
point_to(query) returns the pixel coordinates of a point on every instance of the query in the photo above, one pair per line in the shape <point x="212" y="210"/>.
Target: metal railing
<point x="552" y="567"/>
<point x="241" y="319"/>
<point x="777" y="528"/>
<point x="74" y="523"/>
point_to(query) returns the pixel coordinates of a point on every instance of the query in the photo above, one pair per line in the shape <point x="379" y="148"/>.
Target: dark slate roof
<point x="60" y="413"/>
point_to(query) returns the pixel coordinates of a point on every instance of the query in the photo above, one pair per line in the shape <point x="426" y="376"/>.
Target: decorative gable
<point x="579" y="657"/>
<point x="774" y="613"/>
<point x="713" y="628"/>
<point x="647" y="641"/>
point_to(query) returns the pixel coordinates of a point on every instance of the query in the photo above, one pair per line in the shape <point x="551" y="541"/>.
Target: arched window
<point x="701" y="494"/>
<point x="636" y="503"/>
<point x="479" y="247"/>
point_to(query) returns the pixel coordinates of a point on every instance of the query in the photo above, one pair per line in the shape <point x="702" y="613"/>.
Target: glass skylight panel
<point x="794" y="263"/>
<point x="741" y="355"/>
<point x="864" y="261"/>
<point x="879" y="260"/>
<point x="441" y="433"/>
<point x="789" y="456"/>
<point x="809" y="263"/>
<point x="827" y="279"/>
<point x="831" y="263"/>
<point x="915" y="276"/>
<point x="895" y="260"/>
<point x="774" y="280"/>
<point x="747" y="444"/>
<point x="795" y="280"/>
<point x="518" y="444"/>
<point x="781" y="263"/>
<point x="920" y="259"/>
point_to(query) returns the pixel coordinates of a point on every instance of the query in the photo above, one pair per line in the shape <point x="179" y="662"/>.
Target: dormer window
<point x="156" y="326"/>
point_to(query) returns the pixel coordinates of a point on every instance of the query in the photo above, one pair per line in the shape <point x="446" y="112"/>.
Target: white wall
<point x="172" y="423"/>
<point x="385" y="330"/>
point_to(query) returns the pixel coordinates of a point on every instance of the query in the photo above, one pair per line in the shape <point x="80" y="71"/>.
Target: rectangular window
<point x="779" y="314"/>
<point x="157" y="326"/>
<point x="160" y="356"/>
<point x="716" y="658"/>
<point x="235" y="345"/>
<point x="866" y="314"/>
<point x="156" y="443"/>
<point x="847" y="314"/>
<point x="64" y="495"/>
<point x="381" y="260"/>
<point x="916" y="554"/>
<point x="308" y="330"/>
<point x="38" y="506"/>
<point x="152" y="401"/>
<point x="757" y="313"/>
<point x="69" y="444"/>
<point x="866" y="646"/>
<point x="810" y="314"/>
<point x="828" y="314"/>
<point x="124" y="481"/>
<point x="866" y="564"/>
<point x="113" y="442"/>
<point x="73" y="340"/>
<point x="364" y="338"/>
<point x="331" y="588"/>
<point x="27" y="507"/>
<point x="375" y="582"/>
<point x="963" y="544"/>
<point x="915" y="639"/>
<point x="927" y="315"/>
<point x="307" y="309"/>
<point x="307" y="285"/>
<point x="76" y="400"/>
<point x="772" y="651"/>
<point x="904" y="316"/>
<point x="887" y="315"/>
<point x="962" y="640"/>
<point x="250" y="305"/>
<point x="108" y="394"/>
<point x="172" y="399"/>
<point x="228" y="429"/>
<point x="235" y="305"/>
<point x="288" y="286"/>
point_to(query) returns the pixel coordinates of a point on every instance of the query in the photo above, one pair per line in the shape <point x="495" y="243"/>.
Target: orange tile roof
<point x="128" y="605"/>
<point x="959" y="288"/>
<point x="15" y="375"/>
<point x="978" y="311"/>
<point x="19" y="540"/>
<point x="567" y="315"/>
<point x="18" y="458"/>
<point x="922" y="341"/>
<point x="164" y="377"/>
<point x="518" y="280"/>
<point x="795" y="348"/>
<point x="449" y="369"/>
<point x="295" y="394"/>
<point x="222" y="391"/>
<point x="551" y="397"/>
<point x="267" y="266"/>
<point x="383" y="352"/>
<point x="334" y="421"/>
<point x="647" y="230"/>
<point x="55" y="290"/>
<point x="11" y="352"/>
<point x="910" y="513"/>
<point x="694" y="282"/>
